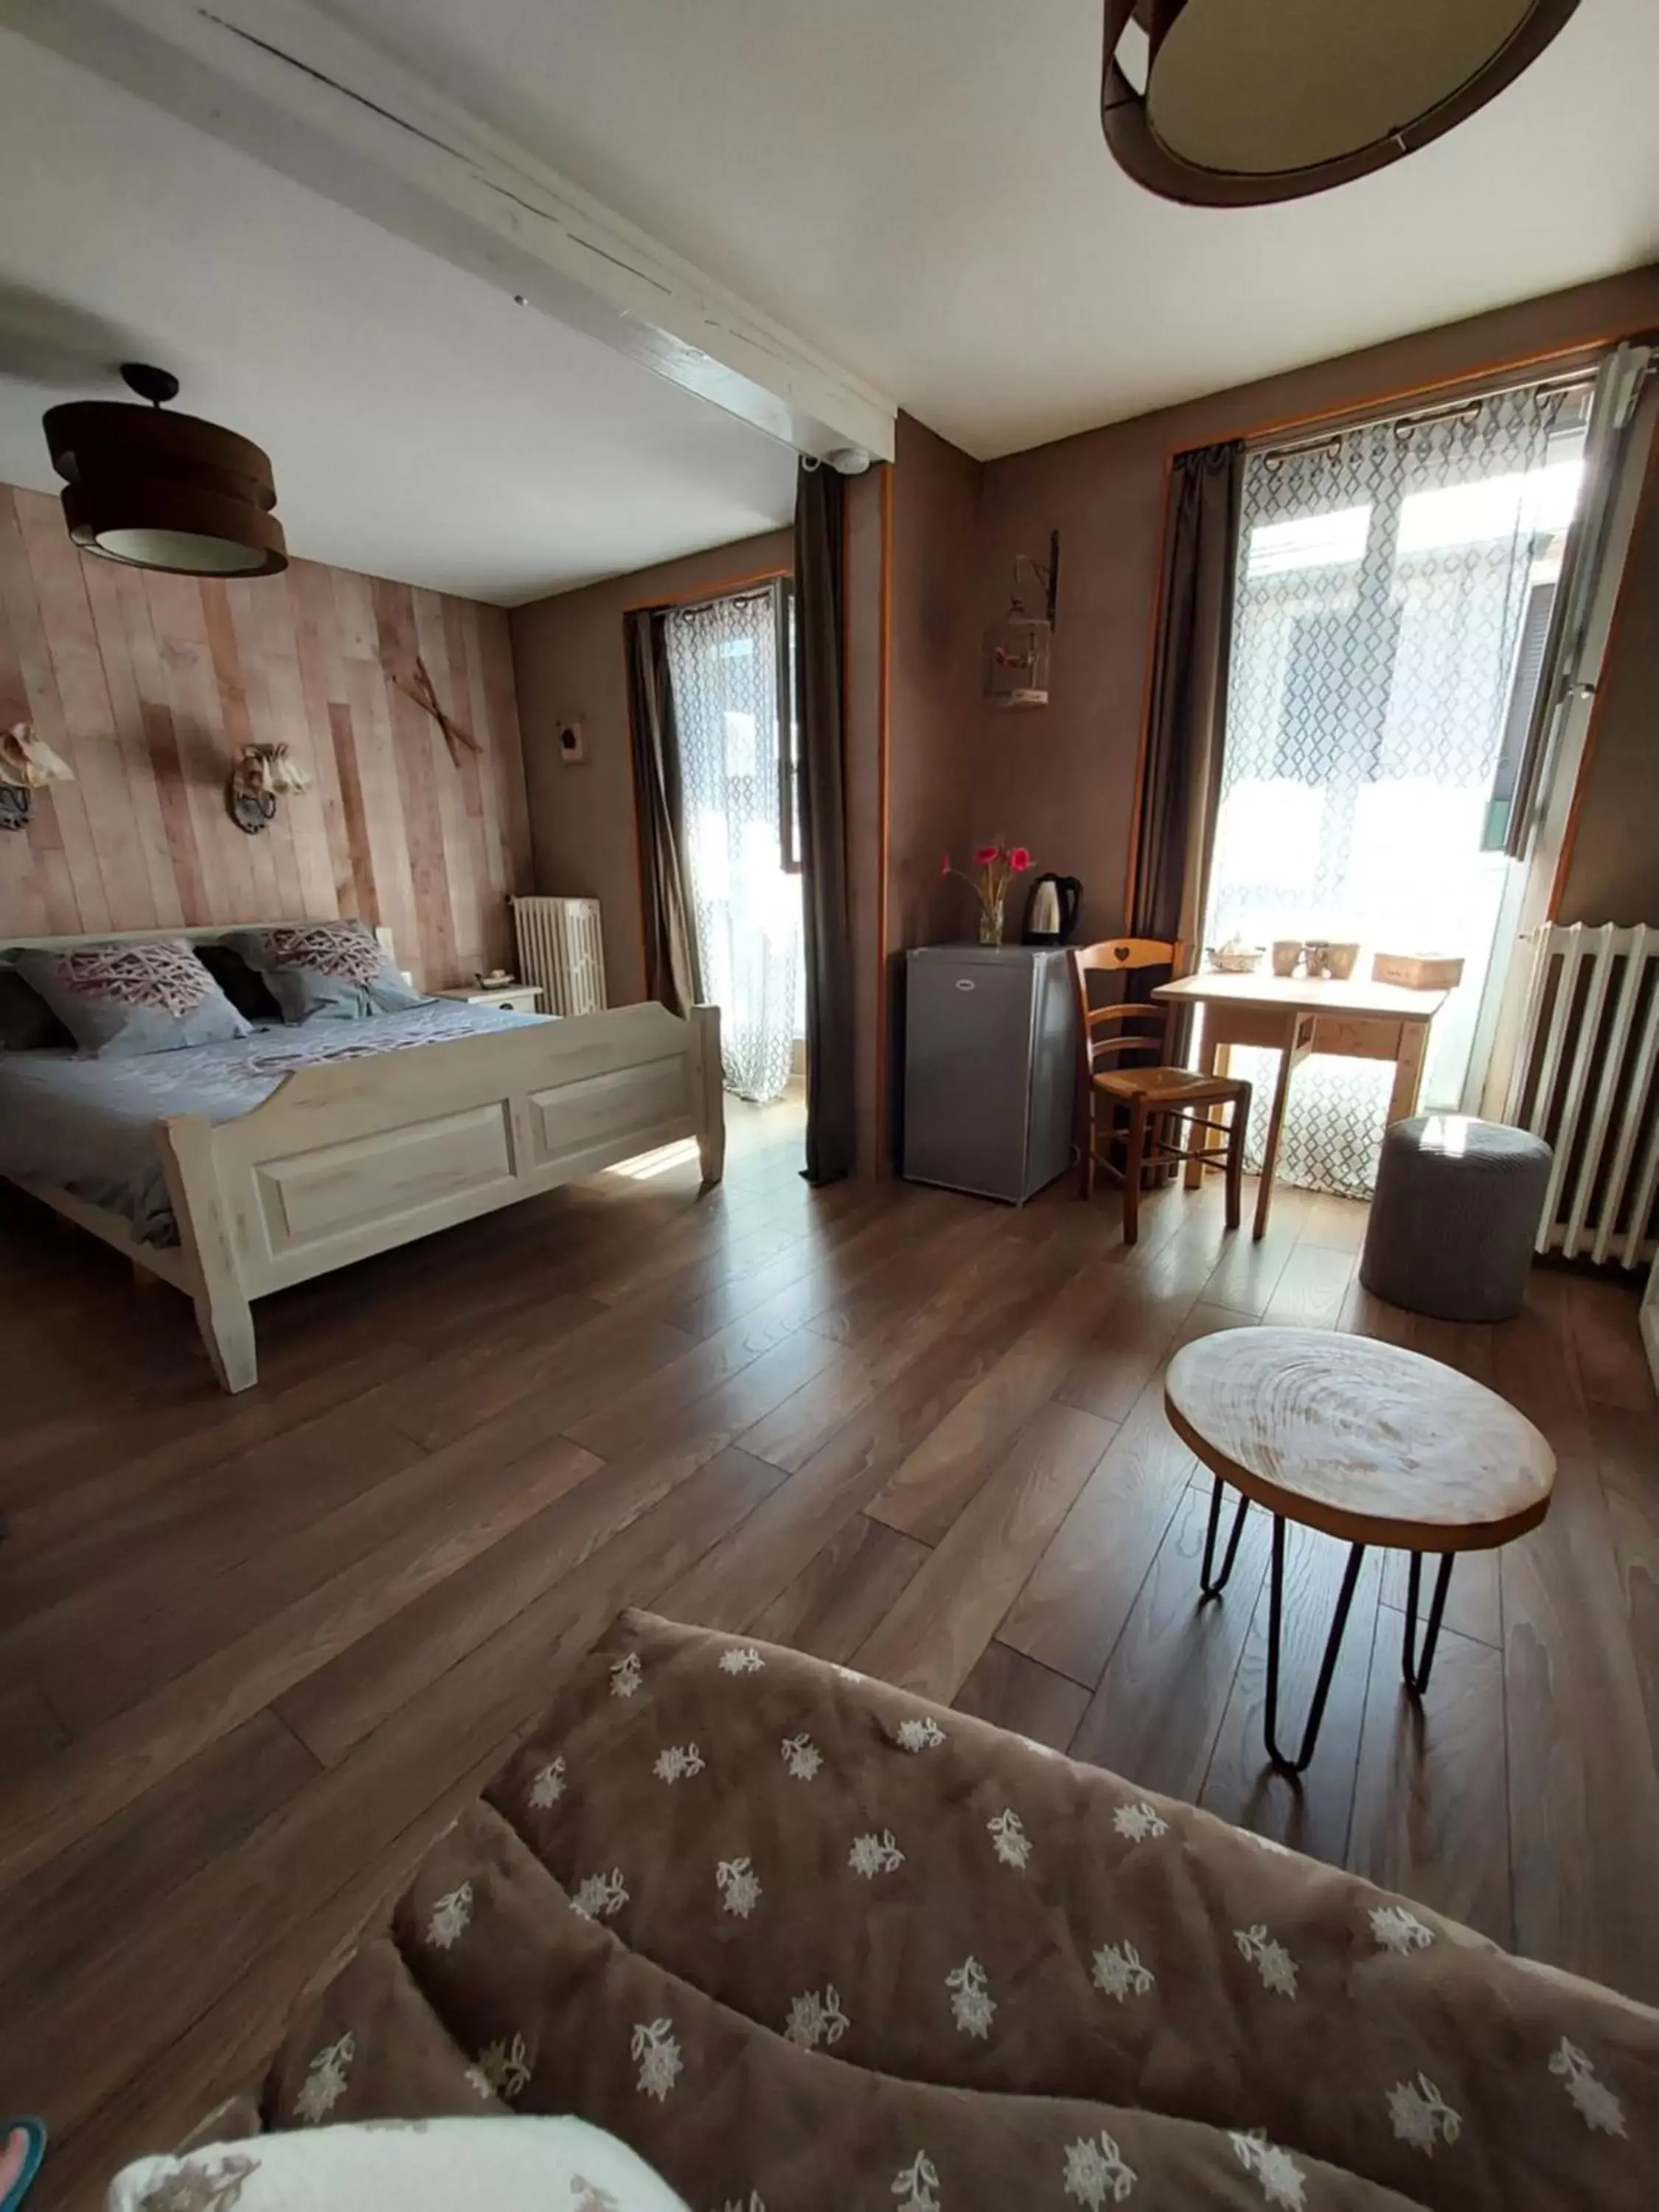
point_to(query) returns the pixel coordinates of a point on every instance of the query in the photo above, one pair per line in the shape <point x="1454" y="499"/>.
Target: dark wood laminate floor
<point x="254" y="1652"/>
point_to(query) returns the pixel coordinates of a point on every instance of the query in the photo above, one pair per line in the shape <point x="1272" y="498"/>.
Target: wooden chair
<point x="1159" y="1098"/>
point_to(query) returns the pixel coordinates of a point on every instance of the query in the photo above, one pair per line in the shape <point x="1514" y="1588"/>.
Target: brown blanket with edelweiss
<point x="808" y="1945"/>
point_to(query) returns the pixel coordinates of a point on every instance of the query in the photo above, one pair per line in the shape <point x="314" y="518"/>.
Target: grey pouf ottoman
<point x="1455" y="1217"/>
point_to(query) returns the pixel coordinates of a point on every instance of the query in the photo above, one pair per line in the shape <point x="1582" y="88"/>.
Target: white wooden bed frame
<point x="356" y="1156"/>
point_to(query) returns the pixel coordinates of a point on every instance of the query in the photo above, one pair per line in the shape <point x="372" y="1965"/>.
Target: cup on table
<point x="1288" y="951"/>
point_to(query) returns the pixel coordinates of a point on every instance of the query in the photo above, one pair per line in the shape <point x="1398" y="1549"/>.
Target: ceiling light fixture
<point x="164" y="491"/>
<point x="1249" y="101"/>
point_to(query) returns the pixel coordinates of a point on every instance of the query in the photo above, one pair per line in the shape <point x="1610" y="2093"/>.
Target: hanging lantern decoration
<point x="1017" y="649"/>
<point x="1245" y="103"/>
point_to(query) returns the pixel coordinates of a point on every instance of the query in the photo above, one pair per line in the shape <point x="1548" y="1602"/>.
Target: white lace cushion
<point x="521" y="2164"/>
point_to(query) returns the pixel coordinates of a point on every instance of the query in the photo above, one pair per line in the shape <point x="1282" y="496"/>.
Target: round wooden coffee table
<point x="1367" y="1442"/>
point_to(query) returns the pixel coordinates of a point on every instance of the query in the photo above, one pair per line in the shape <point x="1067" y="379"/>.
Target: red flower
<point x="1019" y="860"/>
<point x="986" y="855"/>
<point x="944" y="866"/>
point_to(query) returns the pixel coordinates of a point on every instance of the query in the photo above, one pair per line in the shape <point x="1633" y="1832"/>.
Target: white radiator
<point x="559" y="947"/>
<point x="1586" y="1080"/>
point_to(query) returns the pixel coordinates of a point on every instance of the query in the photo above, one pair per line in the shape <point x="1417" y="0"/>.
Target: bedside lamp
<point x="27" y="764"/>
<point x="262" y="775"/>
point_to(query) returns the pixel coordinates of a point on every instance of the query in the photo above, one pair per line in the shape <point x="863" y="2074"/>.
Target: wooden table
<point x="1296" y="1015"/>
<point x="1367" y="1442"/>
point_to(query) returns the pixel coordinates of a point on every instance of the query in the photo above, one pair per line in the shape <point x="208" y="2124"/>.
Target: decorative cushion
<point x="27" y="1022"/>
<point x="501" y="2164"/>
<point x="327" y="970"/>
<point x="119" y="1000"/>
<point x="247" y="990"/>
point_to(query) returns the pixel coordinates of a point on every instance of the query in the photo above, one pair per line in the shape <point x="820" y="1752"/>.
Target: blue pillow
<point x="121" y="998"/>
<point x="326" y="970"/>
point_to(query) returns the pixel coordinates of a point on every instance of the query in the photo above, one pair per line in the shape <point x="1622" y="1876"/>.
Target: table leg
<point x="1408" y="1071"/>
<point x="1212" y="1060"/>
<point x="1133" y="1160"/>
<point x="1297" y="1044"/>
<point x="1222" y="1065"/>
<point x="1238" y="1122"/>
<point x="1209" y="1582"/>
<point x="1415" y="1664"/>
<point x="1327" y="1665"/>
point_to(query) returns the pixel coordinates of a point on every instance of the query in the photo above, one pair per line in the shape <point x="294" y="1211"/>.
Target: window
<point x="734" y="718"/>
<point x="1392" y="599"/>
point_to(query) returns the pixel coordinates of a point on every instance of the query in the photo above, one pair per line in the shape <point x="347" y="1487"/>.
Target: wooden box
<point x="1417" y="971"/>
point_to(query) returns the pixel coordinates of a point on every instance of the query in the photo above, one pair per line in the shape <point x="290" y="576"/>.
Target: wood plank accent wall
<point x="150" y="684"/>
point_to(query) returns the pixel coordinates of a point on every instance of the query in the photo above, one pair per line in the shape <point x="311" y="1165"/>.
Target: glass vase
<point x="990" y="924"/>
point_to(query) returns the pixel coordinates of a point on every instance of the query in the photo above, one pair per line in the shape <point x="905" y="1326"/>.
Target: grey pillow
<point x="326" y="971"/>
<point x="119" y="1002"/>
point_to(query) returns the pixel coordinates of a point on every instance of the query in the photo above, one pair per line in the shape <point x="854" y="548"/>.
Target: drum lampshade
<point x="164" y="491"/>
<point x="1248" y="101"/>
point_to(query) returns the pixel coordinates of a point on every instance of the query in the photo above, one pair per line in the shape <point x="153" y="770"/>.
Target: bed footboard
<point x="353" y="1156"/>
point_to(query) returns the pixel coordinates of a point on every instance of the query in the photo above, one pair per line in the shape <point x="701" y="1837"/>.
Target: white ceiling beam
<point x="287" y="84"/>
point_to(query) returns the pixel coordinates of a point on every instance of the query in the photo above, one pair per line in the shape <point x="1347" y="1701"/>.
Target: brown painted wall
<point x="149" y="685"/>
<point x="1063" y="779"/>
<point x="567" y="657"/>
<point x="1612" y="866"/>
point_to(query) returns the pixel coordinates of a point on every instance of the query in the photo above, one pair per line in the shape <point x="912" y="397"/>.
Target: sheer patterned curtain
<point x="1387" y="579"/>
<point x="745" y="907"/>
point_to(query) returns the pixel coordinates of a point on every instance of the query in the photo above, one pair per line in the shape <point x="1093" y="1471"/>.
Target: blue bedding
<point x="87" y="1125"/>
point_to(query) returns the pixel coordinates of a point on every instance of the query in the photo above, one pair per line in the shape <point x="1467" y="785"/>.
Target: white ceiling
<point x="420" y="425"/>
<point x="920" y="188"/>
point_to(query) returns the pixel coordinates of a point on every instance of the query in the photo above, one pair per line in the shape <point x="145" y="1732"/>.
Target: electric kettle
<point x="1052" y="910"/>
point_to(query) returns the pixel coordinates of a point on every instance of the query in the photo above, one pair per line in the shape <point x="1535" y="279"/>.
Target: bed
<point x="803" y="1941"/>
<point x="230" y="1170"/>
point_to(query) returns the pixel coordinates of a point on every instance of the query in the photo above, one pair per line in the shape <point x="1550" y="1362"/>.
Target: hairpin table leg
<point x="1416" y="1664"/>
<point x="1209" y="1582"/>
<point x="1327" y="1665"/>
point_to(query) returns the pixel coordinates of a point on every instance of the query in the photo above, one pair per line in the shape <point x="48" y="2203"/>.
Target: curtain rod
<point x="763" y="588"/>
<point x="1271" y="448"/>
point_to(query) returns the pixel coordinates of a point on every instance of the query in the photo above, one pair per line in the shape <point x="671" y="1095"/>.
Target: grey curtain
<point x="671" y="952"/>
<point x="1180" y="781"/>
<point x="830" y="1092"/>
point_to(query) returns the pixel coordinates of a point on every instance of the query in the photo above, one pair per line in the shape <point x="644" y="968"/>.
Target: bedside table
<point x="511" y="998"/>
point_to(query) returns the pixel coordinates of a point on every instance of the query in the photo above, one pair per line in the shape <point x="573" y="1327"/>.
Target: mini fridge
<point x="990" y="1067"/>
